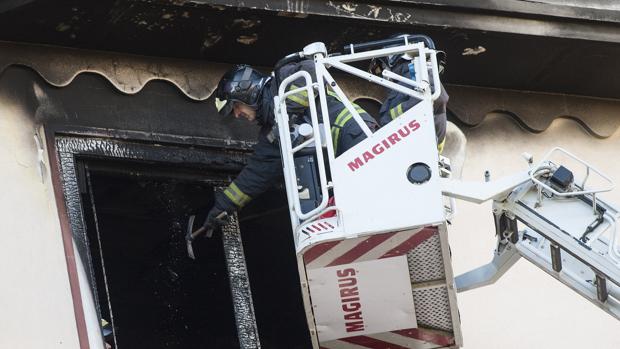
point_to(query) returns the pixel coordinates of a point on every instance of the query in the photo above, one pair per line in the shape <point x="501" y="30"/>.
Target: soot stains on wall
<point x="158" y="297"/>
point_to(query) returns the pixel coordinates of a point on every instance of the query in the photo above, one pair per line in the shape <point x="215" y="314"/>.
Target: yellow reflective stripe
<point x="336" y="130"/>
<point x="332" y="93"/>
<point x="393" y="113"/>
<point x="345" y="120"/>
<point x="336" y="127"/>
<point x="440" y="145"/>
<point x="341" y="121"/>
<point x="235" y="195"/>
<point x="244" y="197"/>
<point x="396" y="111"/>
<point x="300" y="97"/>
<point x="342" y="113"/>
<point x="358" y="109"/>
<point x="298" y="100"/>
<point x="335" y="136"/>
<point x="302" y="92"/>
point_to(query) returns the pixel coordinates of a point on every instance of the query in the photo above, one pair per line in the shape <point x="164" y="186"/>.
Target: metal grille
<point x="432" y="308"/>
<point x="425" y="261"/>
<point x="432" y="305"/>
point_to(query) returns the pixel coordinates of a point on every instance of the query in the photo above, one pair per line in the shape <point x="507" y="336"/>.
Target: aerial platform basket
<point x="376" y="272"/>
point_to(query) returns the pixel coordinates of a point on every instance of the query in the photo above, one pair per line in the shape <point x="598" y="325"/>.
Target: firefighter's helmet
<point x="240" y="84"/>
<point x="377" y="65"/>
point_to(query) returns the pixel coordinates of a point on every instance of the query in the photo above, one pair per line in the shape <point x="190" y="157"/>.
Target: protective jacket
<point x="264" y="167"/>
<point x="397" y="103"/>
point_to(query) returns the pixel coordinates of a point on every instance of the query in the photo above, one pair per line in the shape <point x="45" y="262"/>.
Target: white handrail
<point x="288" y="156"/>
<point x="436" y="81"/>
<point x="413" y="48"/>
<point x="391" y="75"/>
<point x="338" y="63"/>
<point x="343" y="98"/>
<point x="543" y="163"/>
<point x="418" y="50"/>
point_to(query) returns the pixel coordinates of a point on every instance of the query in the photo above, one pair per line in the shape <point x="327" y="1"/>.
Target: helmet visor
<point x="224" y="107"/>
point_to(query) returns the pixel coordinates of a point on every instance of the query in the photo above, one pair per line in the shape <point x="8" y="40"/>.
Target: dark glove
<point x="215" y="219"/>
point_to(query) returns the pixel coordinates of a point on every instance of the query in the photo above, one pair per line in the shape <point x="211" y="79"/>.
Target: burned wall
<point x="90" y="103"/>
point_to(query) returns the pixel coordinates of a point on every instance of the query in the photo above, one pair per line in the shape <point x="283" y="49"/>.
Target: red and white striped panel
<point x="413" y="338"/>
<point x="363" y="249"/>
<point x="374" y="247"/>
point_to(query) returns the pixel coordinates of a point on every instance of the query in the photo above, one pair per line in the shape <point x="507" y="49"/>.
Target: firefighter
<point x="247" y="93"/>
<point x="397" y="103"/>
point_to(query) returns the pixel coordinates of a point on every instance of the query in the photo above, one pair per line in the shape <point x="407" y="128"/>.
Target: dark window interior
<point x="136" y="218"/>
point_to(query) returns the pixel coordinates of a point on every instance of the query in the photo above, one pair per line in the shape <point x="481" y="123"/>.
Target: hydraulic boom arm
<point x="560" y="226"/>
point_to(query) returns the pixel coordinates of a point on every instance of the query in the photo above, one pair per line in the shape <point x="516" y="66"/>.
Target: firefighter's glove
<point x="215" y="219"/>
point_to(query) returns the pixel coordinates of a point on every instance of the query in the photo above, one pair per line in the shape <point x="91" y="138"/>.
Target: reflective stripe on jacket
<point x="345" y="131"/>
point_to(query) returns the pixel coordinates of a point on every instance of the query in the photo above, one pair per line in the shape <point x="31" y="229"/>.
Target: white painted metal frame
<point x="285" y="139"/>
<point x="420" y="89"/>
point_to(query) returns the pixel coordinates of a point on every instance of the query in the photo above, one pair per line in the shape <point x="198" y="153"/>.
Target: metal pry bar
<point x="191" y="234"/>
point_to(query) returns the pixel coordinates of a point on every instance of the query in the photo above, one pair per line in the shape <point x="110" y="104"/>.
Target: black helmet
<point x="240" y="84"/>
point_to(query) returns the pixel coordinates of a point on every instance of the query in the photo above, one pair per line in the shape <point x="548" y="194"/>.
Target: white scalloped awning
<point x="535" y="111"/>
<point x="128" y="73"/>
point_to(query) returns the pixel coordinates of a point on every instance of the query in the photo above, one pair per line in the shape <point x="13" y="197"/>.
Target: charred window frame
<point x="71" y="148"/>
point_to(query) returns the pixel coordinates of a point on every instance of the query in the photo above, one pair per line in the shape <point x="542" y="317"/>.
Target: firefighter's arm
<point x="262" y="171"/>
